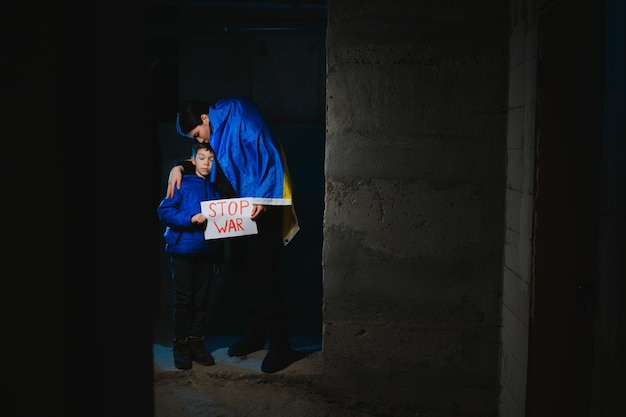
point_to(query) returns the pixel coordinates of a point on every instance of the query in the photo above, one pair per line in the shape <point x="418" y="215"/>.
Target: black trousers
<point x="255" y="261"/>
<point x="191" y="280"/>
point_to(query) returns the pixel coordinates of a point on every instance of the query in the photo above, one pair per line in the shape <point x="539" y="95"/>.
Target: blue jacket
<point x="181" y="236"/>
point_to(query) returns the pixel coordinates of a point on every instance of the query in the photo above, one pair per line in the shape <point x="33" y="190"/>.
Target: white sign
<point x="228" y="217"/>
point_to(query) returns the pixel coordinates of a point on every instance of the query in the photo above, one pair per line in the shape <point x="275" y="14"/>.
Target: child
<point x="192" y="259"/>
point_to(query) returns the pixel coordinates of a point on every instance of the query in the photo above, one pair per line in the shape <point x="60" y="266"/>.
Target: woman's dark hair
<point x="189" y="115"/>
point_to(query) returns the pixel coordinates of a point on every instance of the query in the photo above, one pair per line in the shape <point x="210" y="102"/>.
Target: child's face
<point x="203" y="162"/>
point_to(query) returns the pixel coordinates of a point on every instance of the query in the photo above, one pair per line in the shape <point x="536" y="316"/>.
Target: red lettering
<point x="232" y="208"/>
<point x="230" y="225"/>
<point x="212" y="210"/>
<point x="216" y="205"/>
<point x="220" y="229"/>
<point x="229" y="209"/>
<point x="224" y="207"/>
<point x="244" y="204"/>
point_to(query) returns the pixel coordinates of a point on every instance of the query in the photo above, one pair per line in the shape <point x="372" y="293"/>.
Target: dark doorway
<point x="569" y="137"/>
<point x="273" y="53"/>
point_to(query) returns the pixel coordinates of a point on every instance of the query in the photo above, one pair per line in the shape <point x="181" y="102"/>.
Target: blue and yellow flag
<point x="252" y="160"/>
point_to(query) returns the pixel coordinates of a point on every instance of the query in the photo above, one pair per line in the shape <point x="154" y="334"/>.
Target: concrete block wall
<point x="520" y="188"/>
<point x="414" y="204"/>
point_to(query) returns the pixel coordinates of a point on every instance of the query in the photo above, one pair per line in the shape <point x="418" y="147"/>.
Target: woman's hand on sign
<point x="257" y="210"/>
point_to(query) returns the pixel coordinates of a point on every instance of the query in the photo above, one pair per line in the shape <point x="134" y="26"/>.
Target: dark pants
<point x="191" y="279"/>
<point x="255" y="260"/>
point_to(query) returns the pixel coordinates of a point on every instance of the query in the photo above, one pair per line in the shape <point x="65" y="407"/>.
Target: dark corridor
<point x="272" y="52"/>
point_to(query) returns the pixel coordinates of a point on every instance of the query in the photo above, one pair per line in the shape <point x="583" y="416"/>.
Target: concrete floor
<point x="304" y="338"/>
<point x="236" y="387"/>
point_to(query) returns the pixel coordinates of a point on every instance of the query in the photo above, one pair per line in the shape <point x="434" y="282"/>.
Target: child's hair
<point x="200" y="145"/>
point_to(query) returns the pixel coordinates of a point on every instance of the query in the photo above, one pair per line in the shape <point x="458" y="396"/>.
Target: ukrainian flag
<point x="252" y="160"/>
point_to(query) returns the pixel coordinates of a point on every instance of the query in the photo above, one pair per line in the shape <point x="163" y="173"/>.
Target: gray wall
<point x="413" y="225"/>
<point x="520" y="190"/>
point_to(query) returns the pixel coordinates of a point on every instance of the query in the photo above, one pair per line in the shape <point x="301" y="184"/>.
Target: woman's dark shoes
<point x="276" y="360"/>
<point x="245" y="347"/>
<point x="199" y="351"/>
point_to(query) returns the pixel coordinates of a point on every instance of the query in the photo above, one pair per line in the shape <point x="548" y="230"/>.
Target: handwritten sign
<point x="228" y="217"/>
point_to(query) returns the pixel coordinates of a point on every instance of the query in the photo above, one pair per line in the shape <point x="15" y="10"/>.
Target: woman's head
<point x="193" y="116"/>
